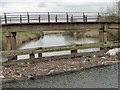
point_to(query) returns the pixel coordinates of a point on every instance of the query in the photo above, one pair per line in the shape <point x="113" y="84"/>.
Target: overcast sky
<point x="55" y="5"/>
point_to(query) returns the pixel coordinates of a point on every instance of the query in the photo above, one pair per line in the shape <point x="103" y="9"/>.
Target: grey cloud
<point x="84" y="6"/>
<point x="42" y="4"/>
<point x="59" y="6"/>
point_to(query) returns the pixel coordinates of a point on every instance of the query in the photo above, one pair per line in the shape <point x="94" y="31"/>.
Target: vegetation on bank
<point x="21" y="38"/>
<point x="92" y="33"/>
<point x="113" y="35"/>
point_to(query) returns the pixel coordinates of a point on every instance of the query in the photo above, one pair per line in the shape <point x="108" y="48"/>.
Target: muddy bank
<point x="21" y="38"/>
<point x="26" y="37"/>
<point x="34" y="68"/>
<point x="90" y="33"/>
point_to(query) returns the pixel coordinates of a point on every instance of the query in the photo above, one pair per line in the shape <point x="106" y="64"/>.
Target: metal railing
<point x="49" y="17"/>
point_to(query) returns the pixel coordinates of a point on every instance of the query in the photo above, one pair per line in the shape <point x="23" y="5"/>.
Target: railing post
<point x="84" y="17"/>
<point x="67" y="17"/>
<point x="56" y="18"/>
<point x="39" y="18"/>
<point x="20" y="18"/>
<point x="72" y="18"/>
<point x="105" y="33"/>
<point x="103" y="36"/>
<point x="40" y="54"/>
<point x="32" y="56"/>
<point x="73" y="51"/>
<point x="101" y="39"/>
<point x="28" y="17"/>
<point x="98" y="17"/>
<point x="48" y="17"/>
<point x="5" y="18"/>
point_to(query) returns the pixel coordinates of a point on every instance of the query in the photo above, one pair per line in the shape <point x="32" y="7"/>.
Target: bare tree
<point x="112" y="12"/>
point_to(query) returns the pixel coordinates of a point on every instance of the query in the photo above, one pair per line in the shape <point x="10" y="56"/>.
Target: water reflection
<point x="57" y="40"/>
<point x="3" y="59"/>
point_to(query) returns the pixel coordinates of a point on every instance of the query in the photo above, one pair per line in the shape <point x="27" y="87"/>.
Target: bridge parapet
<point x="48" y="17"/>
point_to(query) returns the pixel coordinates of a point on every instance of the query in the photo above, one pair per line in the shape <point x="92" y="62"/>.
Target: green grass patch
<point x="92" y="33"/>
<point x="113" y="34"/>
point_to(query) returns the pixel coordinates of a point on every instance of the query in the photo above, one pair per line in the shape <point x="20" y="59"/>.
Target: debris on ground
<point x="113" y="51"/>
<point x="24" y="70"/>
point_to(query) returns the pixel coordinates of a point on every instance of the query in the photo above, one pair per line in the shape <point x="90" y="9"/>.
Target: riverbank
<point x="37" y="68"/>
<point x="25" y="37"/>
<point x="93" y="33"/>
<point x="21" y="38"/>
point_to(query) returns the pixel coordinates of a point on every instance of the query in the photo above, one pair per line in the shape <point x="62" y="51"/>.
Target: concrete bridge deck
<point x="64" y="26"/>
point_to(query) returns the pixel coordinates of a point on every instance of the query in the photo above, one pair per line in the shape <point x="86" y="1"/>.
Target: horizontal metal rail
<point x="27" y="17"/>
